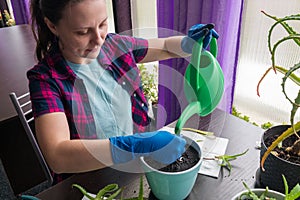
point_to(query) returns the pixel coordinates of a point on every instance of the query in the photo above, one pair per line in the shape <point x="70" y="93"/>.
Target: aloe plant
<point x="110" y="192"/>
<point x="289" y="73"/>
<point x="289" y="195"/>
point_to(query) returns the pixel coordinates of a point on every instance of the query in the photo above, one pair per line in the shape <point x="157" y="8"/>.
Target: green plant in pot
<point x="282" y="156"/>
<point x="110" y="192"/>
<point x="266" y="194"/>
<point x="150" y="89"/>
<point x="149" y="83"/>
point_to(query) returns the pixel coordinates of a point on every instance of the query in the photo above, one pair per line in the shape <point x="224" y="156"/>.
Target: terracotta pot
<point x="275" y="166"/>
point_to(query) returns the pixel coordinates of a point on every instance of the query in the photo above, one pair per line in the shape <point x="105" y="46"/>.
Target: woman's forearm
<point x="65" y="155"/>
<point x="173" y="45"/>
<point x="164" y="48"/>
<point x="74" y="156"/>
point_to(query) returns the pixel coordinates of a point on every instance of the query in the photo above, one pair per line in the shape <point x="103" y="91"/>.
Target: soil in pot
<point x="188" y="159"/>
<point x="282" y="152"/>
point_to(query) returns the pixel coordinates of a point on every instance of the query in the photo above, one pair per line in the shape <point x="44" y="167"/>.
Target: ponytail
<point x="41" y="32"/>
<point x="52" y="9"/>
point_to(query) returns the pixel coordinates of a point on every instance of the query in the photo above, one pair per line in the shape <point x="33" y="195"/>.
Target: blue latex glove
<point x="161" y="146"/>
<point x="195" y="33"/>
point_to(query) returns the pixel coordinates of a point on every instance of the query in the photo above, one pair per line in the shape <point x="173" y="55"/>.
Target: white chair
<point x="22" y="105"/>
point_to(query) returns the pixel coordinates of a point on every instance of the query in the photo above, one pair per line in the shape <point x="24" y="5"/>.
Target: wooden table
<point x="17" y="50"/>
<point x="241" y="135"/>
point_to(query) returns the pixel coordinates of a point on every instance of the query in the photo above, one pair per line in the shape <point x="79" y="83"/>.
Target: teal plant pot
<point x="260" y="191"/>
<point x="173" y="185"/>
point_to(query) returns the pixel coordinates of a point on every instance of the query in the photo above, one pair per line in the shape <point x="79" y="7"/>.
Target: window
<point x="254" y="59"/>
<point x="144" y="18"/>
<point x="144" y="23"/>
<point x="111" y="24"/>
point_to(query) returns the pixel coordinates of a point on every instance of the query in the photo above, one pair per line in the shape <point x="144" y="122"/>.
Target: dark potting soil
<point x="188" y="159"/>
<point x="282" y="153"/>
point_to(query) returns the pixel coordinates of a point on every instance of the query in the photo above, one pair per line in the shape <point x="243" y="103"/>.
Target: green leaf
<point x="141" y="191"/>
<point x="226" y="158"/>
<point x="250" y="193"/>
<point x="107" y="189"/>
<point x="83" y="191"/>
<point x="295" y="192"/>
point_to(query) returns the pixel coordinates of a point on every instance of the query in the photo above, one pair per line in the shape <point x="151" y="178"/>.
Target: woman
<point x="88" y="104"/>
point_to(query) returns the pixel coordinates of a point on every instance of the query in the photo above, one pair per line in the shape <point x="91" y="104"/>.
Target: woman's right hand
<point x="161" y="146"/>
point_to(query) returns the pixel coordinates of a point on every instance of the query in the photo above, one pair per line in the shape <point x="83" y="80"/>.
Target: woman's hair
<point x="53" y="10"/>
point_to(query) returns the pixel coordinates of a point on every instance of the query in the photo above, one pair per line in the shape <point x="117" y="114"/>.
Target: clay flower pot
<point x="173" y="185"/>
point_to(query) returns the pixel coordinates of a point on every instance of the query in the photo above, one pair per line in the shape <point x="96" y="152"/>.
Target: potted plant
<point x="150" y="89"/>
<point x="160" y="175"/>
<point x="109" y="192"/>
<point x="174" y="181"/>
<point x="280" y="152"/>
<point x="266" y="194"/>
<point x="8" y="19"/>
<point x="149" y="83"/>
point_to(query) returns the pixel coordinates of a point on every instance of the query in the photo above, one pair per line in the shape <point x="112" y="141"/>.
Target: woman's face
<point x="82" y="30"/>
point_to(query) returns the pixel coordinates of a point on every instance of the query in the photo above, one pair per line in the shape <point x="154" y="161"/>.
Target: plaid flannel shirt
<point x="54" y="87"/>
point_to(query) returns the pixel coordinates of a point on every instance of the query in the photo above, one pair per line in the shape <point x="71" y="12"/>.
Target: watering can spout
<point x="190" y="110"/>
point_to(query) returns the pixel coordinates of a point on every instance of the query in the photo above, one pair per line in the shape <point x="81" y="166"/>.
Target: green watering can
<point x="204" y="83"/>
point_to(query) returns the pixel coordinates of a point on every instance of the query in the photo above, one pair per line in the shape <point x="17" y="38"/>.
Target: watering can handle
<point x="195" y="57"/>
<point x="197" y="52"/>
<point x="214" y="47"/>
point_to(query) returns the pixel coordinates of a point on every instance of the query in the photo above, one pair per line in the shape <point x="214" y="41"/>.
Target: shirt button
<point x="143" y="104"/>
<point x="134" y="94"/>
<point x="124" y="83"/>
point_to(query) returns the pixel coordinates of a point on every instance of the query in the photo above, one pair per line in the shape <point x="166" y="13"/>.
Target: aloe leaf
<point x="232" y="157"/>
<point x="141" y="191"/>
<point x="250" y="193"/>
<point x="109" y="188"/>
<point x="207" y="133"/>
<point x="282" y="70"/>
<point x="83" y="191"/>
<point x="296" y="103"/>
<point x="115" y="194"/>
<point x="282" y="22"/>
<point x="275" y="46"/>
<point x="294" y="194"/>
<point x="226" y="158"/>
<point x="291" y="76"/>
<point x="286" y="186"/>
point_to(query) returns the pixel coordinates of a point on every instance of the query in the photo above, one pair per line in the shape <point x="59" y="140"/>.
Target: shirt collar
<point x="58" y="66"/>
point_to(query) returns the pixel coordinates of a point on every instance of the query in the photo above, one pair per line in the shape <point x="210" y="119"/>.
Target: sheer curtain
<point x="176" y="17"/>
<point x="254" y="59"/>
